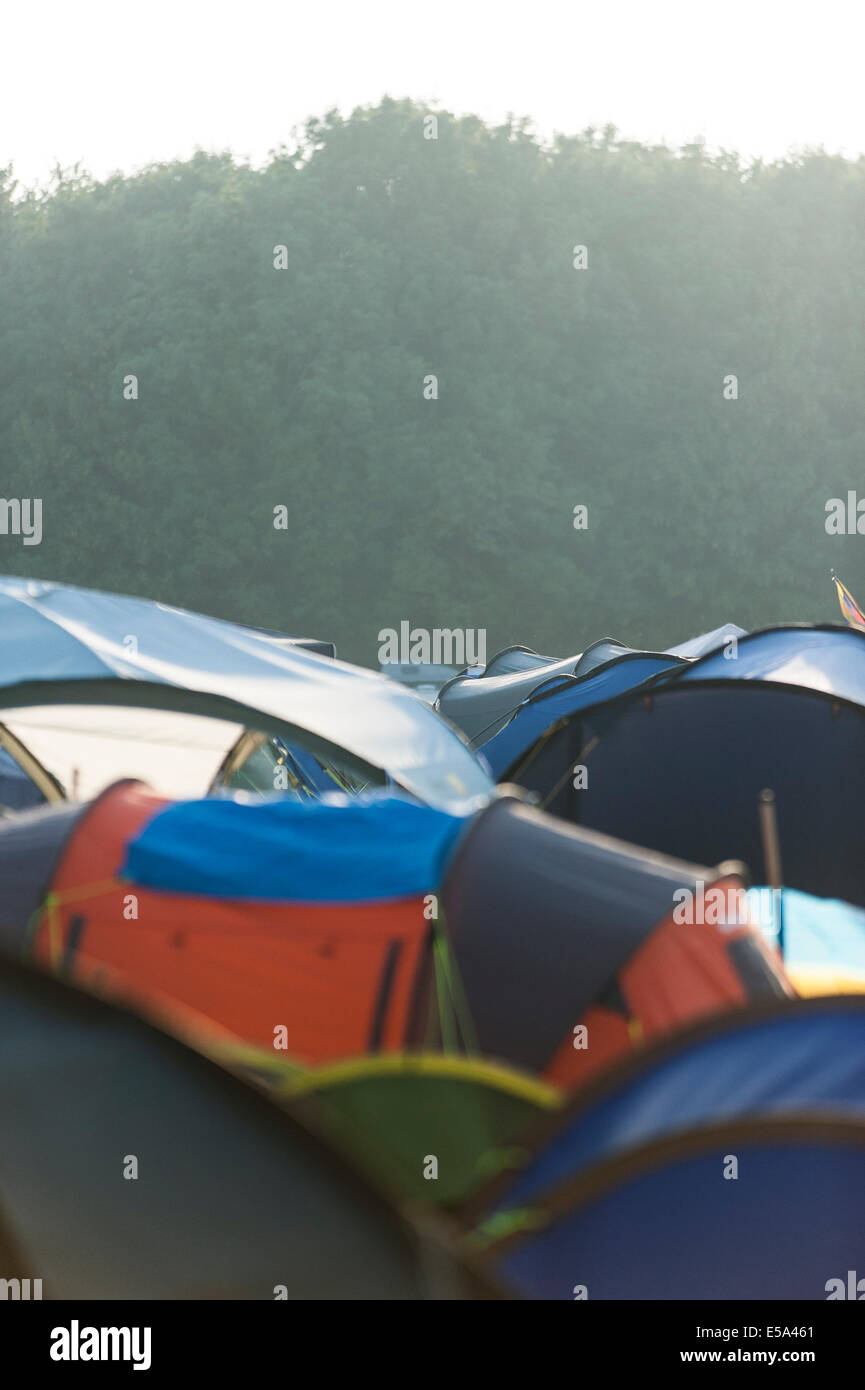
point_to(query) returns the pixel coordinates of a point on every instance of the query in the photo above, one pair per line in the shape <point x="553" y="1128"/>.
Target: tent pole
<point x="772" y="856"/>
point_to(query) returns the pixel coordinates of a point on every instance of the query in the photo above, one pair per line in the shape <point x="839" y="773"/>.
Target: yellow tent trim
<point x="294" y="1079"/>
<point x="242" y="1054"/>
<point x="541" y="1093"/>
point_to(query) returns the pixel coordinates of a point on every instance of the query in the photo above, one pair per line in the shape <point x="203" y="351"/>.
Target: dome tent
<point x="680" y="768"/>
<point x="136" y="1169"/>
<point x="616" y="1186"/>
<point x="69" y="646"/>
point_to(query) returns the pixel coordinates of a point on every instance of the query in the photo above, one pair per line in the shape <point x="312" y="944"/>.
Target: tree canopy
<point x="301" y="379"/>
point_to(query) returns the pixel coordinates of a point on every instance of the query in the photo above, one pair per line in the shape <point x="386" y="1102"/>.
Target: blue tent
<point x="828" y="659"/>
<point x="339" y="849"/>
<point x="520" y="694"/>
<point x="768" y="1209"/>
<point x="791" y="1057"/>
<point x="484" y="706"/>
<point x="63" y="645"/>
<point x="618" y="1187"/>
<point x="562" y="696"/>
<point x="680" y="768"/>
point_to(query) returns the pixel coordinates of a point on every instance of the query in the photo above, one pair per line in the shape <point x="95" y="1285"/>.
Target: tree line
<point x="377" y="379"/>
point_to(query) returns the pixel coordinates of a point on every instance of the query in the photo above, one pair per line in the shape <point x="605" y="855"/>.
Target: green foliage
<point x="408" y="257"/>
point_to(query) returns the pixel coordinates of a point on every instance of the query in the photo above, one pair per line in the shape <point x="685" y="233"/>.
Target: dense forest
<point x="284" y="325"/>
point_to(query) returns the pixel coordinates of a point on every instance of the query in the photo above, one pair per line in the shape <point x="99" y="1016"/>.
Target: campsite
<point x="523" y="1010"/>
<point x="432" y="681"/>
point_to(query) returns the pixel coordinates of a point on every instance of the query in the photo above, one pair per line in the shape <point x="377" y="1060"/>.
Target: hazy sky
<point x="118" y="85"/>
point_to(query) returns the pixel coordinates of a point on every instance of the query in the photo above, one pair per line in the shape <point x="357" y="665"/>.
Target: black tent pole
<point x="772" y="856"/>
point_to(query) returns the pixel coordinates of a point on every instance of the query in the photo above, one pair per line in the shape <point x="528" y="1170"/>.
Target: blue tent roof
<point x="666" y="1224"/>
<point x="800" y="1057"/>
<point x="682" y="772"/>
<point x="54" y="637"/>
<point x="612" y="1197"/>
<point x="483" y="706"/>
<point x="560" y="698"/>
<point x="828" y="659"/>
<point x="338" y="849"/>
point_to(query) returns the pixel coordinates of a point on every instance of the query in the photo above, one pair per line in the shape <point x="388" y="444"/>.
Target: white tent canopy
<point x="70" y="646"/>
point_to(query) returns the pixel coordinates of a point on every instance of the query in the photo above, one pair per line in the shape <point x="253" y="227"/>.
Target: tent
<point x="136" y="1169"/>
<point x="483" y="705"/>
<point x="17" y="789"/>
<point x="293" y="941"/>
<point x="778" y="1057"/>
<point x="308" y="644"/>
<point x="512" y="659"/>
<point x="709" y="1110"/>
<point x="753" y="1210"/>
<point x="317" y="924"/>
<point x="430" y="1128"/>
<point x="68" y="646"/>
<point x="708" y="641"/>
<point x="257" y="916"/>
<point x="555" y="930"/>
<point x="824" y="939"/>
<point x="563" y="697"/>
<point x="680" y="768"/>
<point x="520" y="685"/>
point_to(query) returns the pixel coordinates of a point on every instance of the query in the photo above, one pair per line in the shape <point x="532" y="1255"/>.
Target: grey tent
<point x="543" y="917"/>
<point x="132" y="1167"/>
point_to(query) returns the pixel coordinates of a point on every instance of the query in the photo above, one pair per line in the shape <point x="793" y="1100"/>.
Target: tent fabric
<point x="707" y="641"/>
<point x="800" y="1056"/>
<point x="30" y="846"/>
<point x="480" y="705"/>
<point x="662" y="1222"/>
<point x="335" y="976"/>
<point x="513" y="659"/>
<point x="58" y="640"/>
<point x="235" y="1197"/>
<point x="88" y="746"/>
<point x="484" y="707"/>
<point x="681" y="772"/>
<point x="545" y="921"/>
<point x="388" y="1113"/>
<point x="606" y="649"/>
<point x="17" y="790"/>
<point x="827" y="659"/>
<point x="544" y="707"/>
<point x="307" y="644"/>
<point x="679" y="974"/>
<point x="339" y="979"/>
<point x="339" y="849"/>
<point x="541" y="918"/>
<point x="821" y="935"/>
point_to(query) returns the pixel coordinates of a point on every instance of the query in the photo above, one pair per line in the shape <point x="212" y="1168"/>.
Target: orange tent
<point x="320" y="980"/>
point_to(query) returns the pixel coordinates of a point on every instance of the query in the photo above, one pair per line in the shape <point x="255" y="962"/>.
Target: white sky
<point x="117" y="85"/>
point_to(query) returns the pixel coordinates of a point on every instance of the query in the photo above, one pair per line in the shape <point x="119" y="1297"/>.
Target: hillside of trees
<point x="307" y="387"/>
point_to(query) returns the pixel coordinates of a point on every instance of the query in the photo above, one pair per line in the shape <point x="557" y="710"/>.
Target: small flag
<point x="849" y="607"/>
